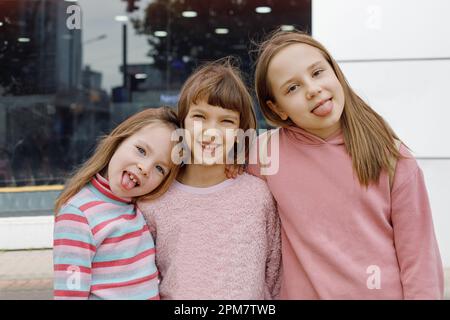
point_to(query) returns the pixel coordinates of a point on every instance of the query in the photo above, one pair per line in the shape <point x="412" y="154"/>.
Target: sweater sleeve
<point x="73" y="251"/>
<point x="418" y="255"/>
<point x="147" y="210"/>
<point x="273" y="266"/>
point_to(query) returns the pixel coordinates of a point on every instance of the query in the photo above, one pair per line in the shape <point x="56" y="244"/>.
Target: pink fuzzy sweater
<point x="221" y="242"/>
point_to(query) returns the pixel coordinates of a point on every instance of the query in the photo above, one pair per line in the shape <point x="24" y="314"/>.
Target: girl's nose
<point x="142" y="169"/>
<point x="313" y="90"/>
<point x="211" y="134"/>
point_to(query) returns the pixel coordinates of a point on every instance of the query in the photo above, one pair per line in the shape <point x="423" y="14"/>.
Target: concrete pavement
<point x="27" y="275"/>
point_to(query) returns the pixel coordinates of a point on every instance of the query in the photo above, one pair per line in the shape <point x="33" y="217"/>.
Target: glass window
<point x="72" y="70"/>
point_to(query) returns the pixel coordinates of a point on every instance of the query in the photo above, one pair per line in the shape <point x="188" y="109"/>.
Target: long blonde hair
<point x="108" y="146"/>
<point x="368" y="138"/>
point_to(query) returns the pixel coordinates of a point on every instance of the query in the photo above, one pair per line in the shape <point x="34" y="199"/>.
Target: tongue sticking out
<point x="127" y="183"/>
<point x="324" y="109"/>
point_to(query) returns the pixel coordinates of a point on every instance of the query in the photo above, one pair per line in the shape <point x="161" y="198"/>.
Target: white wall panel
<point x="379" y="29"/>
<point x="26" y="233"/>
<point x="437" y="177"/>
<point x="412" y="96"/>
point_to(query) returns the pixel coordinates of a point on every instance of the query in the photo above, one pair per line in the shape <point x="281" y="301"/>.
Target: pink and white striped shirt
<point x="103" y="248"/>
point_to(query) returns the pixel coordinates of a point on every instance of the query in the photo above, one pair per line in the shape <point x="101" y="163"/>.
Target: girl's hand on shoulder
<point x="233" y="170"/>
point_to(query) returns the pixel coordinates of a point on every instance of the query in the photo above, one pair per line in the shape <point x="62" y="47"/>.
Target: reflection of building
<point x="147" y="86"/>
<point x="46" y="109"/>
<point x="144" y="77"/>
<point x="91" y="79"/>
<point x="184" y="33"/>
<point x="42" y="56"/>
<point x="40" y="59"/>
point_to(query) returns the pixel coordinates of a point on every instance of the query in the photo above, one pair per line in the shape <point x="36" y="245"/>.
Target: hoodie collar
<point x="305" y="137"/>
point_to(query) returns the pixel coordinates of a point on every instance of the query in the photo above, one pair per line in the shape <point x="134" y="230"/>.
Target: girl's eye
<point x="292" y="88"/>
<point x="161" y="170"/>
<point x="198" y="116"/>
<point x="141" y="150"/>
<point x="228" y="121"/>
<point x="317" y="72"/>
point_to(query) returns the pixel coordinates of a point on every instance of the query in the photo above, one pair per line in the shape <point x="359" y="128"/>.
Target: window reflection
<point x="54" y="105"/>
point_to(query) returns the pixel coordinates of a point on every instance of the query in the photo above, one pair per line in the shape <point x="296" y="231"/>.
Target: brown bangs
<point x="220" y="84"/>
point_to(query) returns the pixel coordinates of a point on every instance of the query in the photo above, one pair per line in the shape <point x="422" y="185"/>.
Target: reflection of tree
<point x="192" y="40"/>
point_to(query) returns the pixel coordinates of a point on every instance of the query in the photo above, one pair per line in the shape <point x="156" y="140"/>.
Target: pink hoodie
<point x="343" y="241"/>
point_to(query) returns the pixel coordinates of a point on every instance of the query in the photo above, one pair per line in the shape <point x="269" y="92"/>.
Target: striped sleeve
<point x="73" y="251"/>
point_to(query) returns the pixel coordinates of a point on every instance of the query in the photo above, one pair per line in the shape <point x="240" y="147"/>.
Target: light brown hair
<point x="368" y="138"/>
<point x="108" y="146"/>
<point x="218" y="83"/>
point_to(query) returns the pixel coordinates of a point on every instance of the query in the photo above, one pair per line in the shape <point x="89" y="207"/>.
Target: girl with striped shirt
<point x="102" y="246"/>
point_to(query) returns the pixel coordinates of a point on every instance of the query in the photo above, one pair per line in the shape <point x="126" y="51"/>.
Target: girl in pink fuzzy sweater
<point x="216" y="238"/>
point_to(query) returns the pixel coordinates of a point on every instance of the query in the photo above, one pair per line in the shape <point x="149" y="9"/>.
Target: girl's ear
<point x="277" y="110"/>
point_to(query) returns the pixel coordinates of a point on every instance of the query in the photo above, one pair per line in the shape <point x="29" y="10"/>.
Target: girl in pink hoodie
<point x="356" y="220"/>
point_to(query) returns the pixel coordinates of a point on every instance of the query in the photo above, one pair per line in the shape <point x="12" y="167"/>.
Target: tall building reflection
<point x="39" y="54"/>
<point x="53" y="107"/>
<point x="48" y="114"/>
